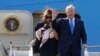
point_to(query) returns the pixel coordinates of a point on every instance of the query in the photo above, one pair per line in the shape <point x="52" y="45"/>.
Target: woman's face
<point x="48" y="18"/>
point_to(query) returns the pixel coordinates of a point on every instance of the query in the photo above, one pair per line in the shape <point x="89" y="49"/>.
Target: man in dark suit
<point x="71" y="32"/>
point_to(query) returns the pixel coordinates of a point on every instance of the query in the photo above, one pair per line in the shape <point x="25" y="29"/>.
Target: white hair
<point x="70" y="6"/>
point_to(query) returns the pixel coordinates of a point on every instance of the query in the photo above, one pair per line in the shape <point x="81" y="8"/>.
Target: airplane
<point x="16" y="31"/>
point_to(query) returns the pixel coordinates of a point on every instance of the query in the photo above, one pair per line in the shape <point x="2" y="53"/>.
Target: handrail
<point x="96" y="46"/>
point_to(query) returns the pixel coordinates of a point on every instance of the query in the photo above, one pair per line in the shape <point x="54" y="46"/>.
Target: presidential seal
<point x="12" y="24"/>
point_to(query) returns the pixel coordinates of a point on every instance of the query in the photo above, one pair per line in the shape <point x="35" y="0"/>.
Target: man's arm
<point x="55" y="24"/>
<point x="83" y="35"/>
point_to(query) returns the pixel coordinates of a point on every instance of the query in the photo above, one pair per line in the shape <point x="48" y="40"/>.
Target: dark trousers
<point x="47" y="53"/>
<point x="49" y="48"/>
<point x="71" y="52"/>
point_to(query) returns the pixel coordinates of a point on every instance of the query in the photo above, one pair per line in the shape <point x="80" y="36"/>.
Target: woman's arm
<point x="32" y="42"/>
<point x="42" y="42"/>
<point x="55" y="34"/>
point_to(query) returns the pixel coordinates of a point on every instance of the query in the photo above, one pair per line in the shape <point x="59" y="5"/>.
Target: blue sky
<point x="32" y="5"/>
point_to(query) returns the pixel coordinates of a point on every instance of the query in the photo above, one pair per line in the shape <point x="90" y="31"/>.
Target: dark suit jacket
<point x="39" y="25"/>
<point x="66" y="39"/>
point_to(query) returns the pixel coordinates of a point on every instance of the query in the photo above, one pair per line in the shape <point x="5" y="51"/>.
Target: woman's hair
<point x="45" y="13"/>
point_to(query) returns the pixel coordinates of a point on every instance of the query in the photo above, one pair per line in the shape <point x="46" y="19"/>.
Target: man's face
<point x="70" y="12"/>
